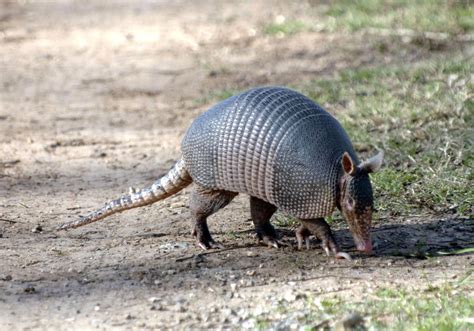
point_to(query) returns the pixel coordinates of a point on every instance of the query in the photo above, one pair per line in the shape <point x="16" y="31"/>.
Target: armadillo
<point x="283" y="150"/>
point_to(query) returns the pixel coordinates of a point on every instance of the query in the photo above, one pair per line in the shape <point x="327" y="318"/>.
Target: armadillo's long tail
<point x="174" y="181"/>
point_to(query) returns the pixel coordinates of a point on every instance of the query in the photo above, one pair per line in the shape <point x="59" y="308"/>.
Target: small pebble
<point x="289" y="296"/>
<point x="37" y="229"/>
<point x="6" y="278"/>
<point x="177" y="205"/>
<point x="169" y="272"/>
<point x="30" y="289"/>
<point x="179" y="308"/>
<point x="227" y="312"/>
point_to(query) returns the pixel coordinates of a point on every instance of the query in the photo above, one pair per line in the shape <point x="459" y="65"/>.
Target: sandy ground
<point x="95" y="97"/>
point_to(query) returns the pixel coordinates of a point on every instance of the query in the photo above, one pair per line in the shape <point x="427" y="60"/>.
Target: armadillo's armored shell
<point x="272" y="143"/>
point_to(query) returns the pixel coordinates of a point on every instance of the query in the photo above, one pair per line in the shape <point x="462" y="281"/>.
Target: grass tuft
<point x="419" y="15"/>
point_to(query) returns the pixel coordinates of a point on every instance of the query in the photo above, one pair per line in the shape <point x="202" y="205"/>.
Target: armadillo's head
<point x="356" y="199"/>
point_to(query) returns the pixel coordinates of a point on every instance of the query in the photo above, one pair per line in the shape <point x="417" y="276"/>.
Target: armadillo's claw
<point x="331" y="248"/>
<point x="326" y="249"/>
<point x="343" y="255"/>
<point x="302" y="238"/>
<point x="209" y="245"/>
<point x="206" y="244"/>
<point x="270" y="242"/>
<point x="274" y="244"/>
<point x="203" y="236"/>
<point x="299" y="238"/>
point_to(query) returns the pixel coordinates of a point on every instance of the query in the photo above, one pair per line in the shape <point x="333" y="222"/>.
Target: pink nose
<point x="365" y="246"/>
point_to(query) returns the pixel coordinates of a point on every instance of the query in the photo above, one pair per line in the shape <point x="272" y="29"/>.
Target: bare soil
<point x="95" y="97"/>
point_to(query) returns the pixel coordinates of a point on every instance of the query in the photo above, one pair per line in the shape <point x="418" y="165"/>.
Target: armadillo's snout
<point x="364" y="246"/>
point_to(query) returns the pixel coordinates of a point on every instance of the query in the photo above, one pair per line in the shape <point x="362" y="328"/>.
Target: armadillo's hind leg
<point x="203" y="203"/>
<point x="261" y="212"/>
<point x="322" y="231"/>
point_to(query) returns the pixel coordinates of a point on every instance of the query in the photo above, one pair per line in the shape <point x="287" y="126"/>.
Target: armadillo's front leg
<point x="323" y="232"/>
<point x="302" y="234"/>
<point x="261" y="212"/>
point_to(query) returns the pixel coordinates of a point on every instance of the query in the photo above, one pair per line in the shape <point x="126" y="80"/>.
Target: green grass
<point x="284" y="221"/>
<point x="215" y="96"/>
<point x="443" y="16"/>
<point x="449" y="306"/>
<point x="423" y="118"/>
<point x="289" y="27"/>
<point x="418" y="15"/>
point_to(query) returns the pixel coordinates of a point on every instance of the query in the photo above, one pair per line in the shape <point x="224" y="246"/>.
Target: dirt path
<point x="95" y="98"/>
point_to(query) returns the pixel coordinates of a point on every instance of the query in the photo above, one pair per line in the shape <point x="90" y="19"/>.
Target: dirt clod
<point x="37" y="229"/>
<point x="6" y="278"/>
<point x="350" y="322"/>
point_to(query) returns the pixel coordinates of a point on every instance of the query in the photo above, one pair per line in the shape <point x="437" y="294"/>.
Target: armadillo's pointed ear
<point x="347" y="164"/>
<point x="373" y="164"/>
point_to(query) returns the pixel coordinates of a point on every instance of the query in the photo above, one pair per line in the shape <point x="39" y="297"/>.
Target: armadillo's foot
<point x="323" y="232"/>
<point x="206" y="242"/>
<point x="261" y="212"/>
<point x="203" y="237"/>
<point x="329" y="245"/>
<point x="266" y="233"/>
<point x="302" y="234"/>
